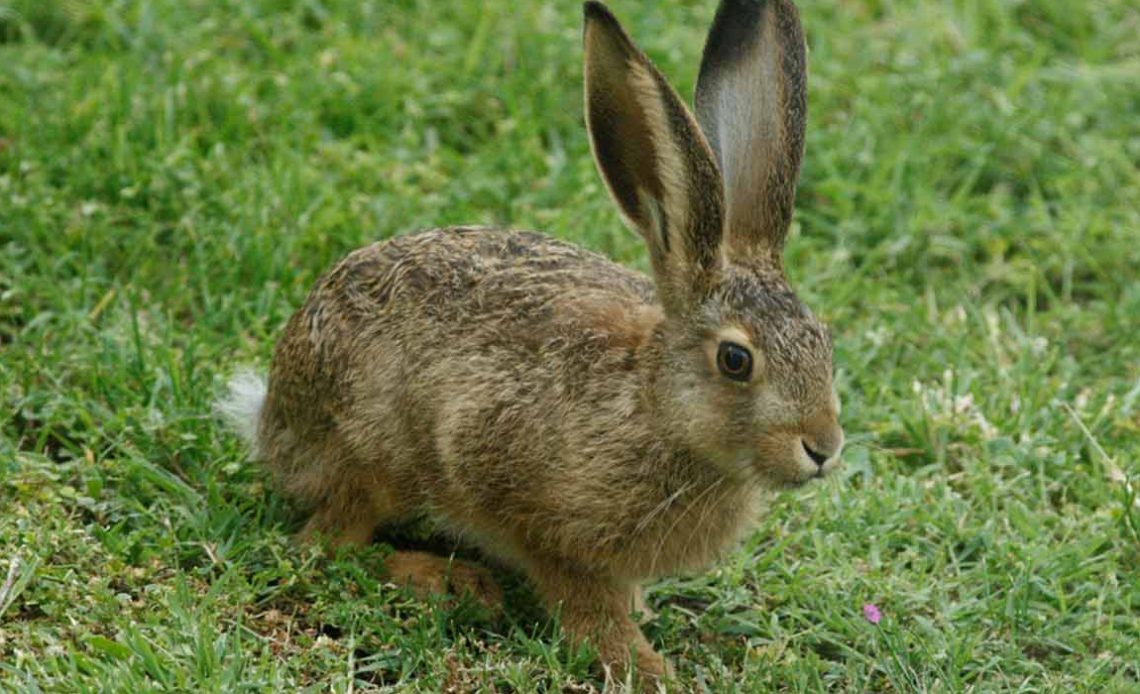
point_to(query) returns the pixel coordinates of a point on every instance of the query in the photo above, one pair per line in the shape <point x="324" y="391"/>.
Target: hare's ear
<point x="656" y="162"/>
<point x="752" y="105"/>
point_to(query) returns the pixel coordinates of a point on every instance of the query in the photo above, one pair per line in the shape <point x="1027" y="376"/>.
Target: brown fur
<point x="540" y="401"/>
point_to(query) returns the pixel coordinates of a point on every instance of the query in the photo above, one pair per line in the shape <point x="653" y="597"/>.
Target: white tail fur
<point x="241" y="406"/>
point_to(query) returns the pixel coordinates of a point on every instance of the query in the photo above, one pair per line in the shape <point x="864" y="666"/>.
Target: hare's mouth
<point x="801" y="473"/>
<point x="752" y="467"/>
<point x="800" y="482"/>
<point x="778" y="479"/>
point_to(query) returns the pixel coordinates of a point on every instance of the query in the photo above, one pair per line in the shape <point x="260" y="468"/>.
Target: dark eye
<point x="734" y="361"/>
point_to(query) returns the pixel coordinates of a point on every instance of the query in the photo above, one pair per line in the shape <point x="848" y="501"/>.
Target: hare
<point x="570" y="417"/>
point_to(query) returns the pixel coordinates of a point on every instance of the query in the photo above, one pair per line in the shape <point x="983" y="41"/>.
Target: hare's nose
<point x="818" y="457"/>
<point x="824" y="444"/>
<point x="821" y="437"/>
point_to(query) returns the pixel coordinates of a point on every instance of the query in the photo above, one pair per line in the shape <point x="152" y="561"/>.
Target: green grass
<point x="174" y="175"/>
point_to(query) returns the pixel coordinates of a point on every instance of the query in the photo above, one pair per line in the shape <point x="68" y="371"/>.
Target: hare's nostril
<point x="816" y="456"/>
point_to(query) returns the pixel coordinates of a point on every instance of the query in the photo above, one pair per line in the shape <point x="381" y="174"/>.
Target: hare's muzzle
<point x="822" y="442"/>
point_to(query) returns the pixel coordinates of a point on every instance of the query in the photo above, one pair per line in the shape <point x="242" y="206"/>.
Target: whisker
<point x="665" y="537"/>
<point x="713" y="502"/>
<point x="659" y="508"/>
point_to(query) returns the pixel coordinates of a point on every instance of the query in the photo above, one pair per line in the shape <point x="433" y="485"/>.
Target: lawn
<point x="175" y="174"/>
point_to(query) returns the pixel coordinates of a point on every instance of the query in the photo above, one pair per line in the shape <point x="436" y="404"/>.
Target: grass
<point x="174" y="175"/>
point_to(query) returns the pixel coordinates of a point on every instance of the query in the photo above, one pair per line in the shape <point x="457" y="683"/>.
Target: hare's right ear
<point x="752" y="106"/>
<point x="655" y="161"/>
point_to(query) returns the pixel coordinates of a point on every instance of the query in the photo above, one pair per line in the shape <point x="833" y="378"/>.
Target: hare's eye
<point x="734" y="361"/>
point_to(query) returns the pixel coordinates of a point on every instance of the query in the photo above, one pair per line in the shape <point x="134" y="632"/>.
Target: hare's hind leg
<point x="425" y="573"/>
<point x="349" y="514"/>
<point x="431" y="574"/>
<point x="348" y="498"/>
<point x="352" y="507"/>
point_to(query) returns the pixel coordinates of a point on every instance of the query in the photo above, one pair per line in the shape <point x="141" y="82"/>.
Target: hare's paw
<point x="429" y="574"/>
<point x="633" y="663"/>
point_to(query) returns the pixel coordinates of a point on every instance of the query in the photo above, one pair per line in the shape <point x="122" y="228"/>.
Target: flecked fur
<point x="542" y="402"/>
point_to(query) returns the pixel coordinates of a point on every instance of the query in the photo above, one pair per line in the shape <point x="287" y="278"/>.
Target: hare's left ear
<point x="752" y="105"/>
<point x="655" y="161"/>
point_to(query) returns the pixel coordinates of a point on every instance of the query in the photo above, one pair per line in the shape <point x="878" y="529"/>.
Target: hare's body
<point x="577" y="420"/>
<point x="393" y="392"/>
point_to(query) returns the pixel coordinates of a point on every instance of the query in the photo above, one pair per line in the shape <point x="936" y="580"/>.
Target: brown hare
<point x="571" y="417"/>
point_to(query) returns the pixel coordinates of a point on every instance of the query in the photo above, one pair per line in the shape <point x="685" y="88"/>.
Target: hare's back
<point x="449" y="330"/>
<point x="456" y="304"/>
<point x="470" y="281"/>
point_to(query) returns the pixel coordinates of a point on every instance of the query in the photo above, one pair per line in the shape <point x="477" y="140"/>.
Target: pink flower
<point x="871" y="613"/>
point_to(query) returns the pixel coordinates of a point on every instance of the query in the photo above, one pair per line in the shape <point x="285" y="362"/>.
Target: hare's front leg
<point x="596" y="610"/>
<point x="640" y="610"/>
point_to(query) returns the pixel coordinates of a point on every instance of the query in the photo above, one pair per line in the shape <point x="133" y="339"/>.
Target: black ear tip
<point x="607" y="25"/>
<point x="592" y="9"/>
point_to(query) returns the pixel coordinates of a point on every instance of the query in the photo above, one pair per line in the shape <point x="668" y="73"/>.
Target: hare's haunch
<point x="586" y="424"/>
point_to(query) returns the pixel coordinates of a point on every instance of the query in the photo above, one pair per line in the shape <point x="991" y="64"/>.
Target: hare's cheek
<point x="706" y="428"/>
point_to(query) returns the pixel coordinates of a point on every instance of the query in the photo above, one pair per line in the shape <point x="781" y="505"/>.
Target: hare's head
<point x="747" y="369"/>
